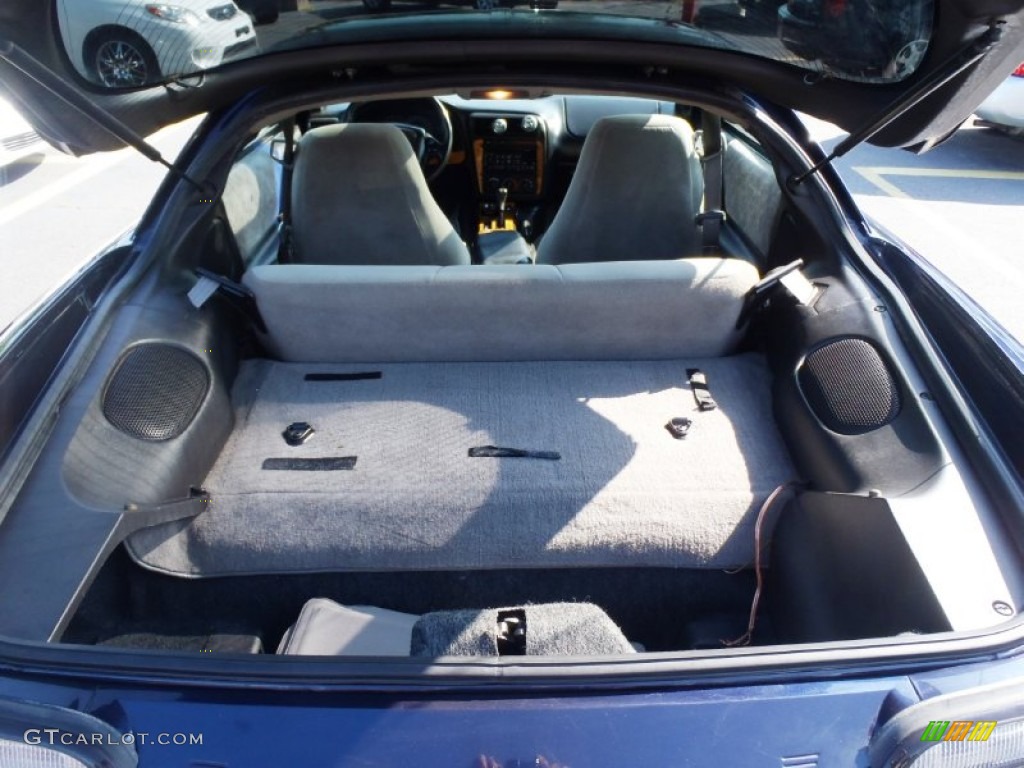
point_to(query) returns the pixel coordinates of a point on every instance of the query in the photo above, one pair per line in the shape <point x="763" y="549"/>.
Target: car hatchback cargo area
<point x="437" y="489"/>
<point x="394" y="443"/>
<point x="489" y="465"/>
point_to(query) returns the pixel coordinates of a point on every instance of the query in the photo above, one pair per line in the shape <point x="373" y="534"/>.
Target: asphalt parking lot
<point x="57" y="211"/>
<point x="959" y="205"/>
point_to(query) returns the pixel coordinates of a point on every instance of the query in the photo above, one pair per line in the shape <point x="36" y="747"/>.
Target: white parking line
<point x="169" y="140"/>
<point x="93" y="167"/>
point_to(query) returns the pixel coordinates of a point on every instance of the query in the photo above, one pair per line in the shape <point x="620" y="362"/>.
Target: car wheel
<point x="267" y="17"/>
<point x="486" y="5"/>
<point x="908" y="59"/>
<point x="377" y="6"/>
<point x="122" y="59"/>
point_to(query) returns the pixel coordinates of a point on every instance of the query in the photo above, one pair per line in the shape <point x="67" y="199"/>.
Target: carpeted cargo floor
<point x="624" y="492"/>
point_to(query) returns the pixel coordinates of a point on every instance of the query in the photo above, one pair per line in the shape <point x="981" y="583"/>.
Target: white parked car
<point x="1004" y="108"/>
<point x="126" y="43"/>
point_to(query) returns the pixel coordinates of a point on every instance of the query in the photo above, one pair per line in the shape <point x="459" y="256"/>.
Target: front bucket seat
<point x="635" y="195"/>
<point x="359" y="197"/>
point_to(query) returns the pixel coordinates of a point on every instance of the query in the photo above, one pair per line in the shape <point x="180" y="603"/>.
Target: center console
<point x="504" y="247"/>
<point x="509" y="153"/>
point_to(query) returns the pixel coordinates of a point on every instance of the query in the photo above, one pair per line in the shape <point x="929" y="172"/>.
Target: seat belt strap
<point x="699" y="386"/>
<point x="498" y="452"/>
<point x="136" y="517"/>
<point x="284" y="253"/>
<point x="711" y="218"/>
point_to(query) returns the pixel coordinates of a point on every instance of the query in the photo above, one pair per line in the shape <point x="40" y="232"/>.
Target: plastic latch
<point x="511" y="632"/>
<point x="297" y="433"/>
<point x="679" y="427"/>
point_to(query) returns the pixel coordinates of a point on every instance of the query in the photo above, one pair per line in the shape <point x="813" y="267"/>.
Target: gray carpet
<point x="624" y="493"/>
<point x="553" y="629"/>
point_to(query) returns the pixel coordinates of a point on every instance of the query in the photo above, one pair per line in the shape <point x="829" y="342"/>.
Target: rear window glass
<point x="133" y="43"/>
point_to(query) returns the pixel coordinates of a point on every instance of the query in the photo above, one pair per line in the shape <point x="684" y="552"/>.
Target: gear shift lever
<point x="502" y="202"/>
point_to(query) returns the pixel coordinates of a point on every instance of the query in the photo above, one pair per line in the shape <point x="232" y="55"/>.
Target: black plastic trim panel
<point x="836" y="561"/>
<point x="894" y="458"/>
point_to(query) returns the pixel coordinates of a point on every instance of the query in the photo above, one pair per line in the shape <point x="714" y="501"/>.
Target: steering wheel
<point x="430" y="152"/>
<point x="432" y="145"/>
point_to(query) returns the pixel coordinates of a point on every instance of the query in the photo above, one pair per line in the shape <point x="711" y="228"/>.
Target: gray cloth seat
<point x="325" y="628"/>
<point x="635" y="195"/>
<point x="684" y="308"/>
<point x="359" y="197"/>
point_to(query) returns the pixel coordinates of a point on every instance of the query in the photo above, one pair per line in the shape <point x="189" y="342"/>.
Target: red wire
<point x="747" y="636"/>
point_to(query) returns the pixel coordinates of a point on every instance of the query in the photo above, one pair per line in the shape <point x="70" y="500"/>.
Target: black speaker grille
<point x="155" y="391"/>
<point x="849" y="386"/>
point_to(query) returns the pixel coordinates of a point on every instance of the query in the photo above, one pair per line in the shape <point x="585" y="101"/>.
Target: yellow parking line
<point x="873" y="176"/>
<point x="876" y="175"/>
<point x="953" y="173"/>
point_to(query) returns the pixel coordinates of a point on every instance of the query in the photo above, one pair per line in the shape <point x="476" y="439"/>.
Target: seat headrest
<point x="635" y="194"/>
<point x="359" y="197"/>
<point x="382" y="148"/>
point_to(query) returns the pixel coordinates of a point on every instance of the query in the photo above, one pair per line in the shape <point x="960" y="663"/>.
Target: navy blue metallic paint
<point x="736" y="726"/>
<point x="729" y="726"/>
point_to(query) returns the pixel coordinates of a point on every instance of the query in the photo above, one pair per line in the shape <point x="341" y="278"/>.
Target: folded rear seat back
<point x="594" y="311"/>
<point x="465" y="466"/>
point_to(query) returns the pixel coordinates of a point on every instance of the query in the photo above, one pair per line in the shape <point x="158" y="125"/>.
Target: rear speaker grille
<point x="155" y="392"/>
<point x="849" y="387"/>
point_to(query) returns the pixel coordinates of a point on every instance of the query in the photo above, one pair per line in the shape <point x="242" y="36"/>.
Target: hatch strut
<point x="953" y="66"/>
<point x="18" y="58"/>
